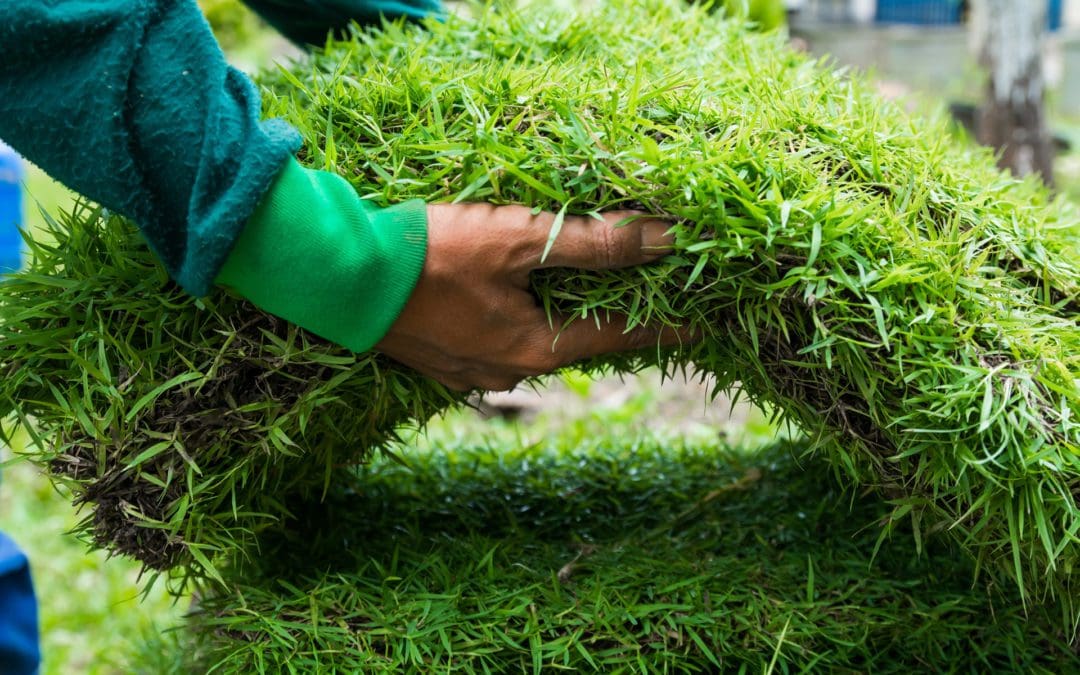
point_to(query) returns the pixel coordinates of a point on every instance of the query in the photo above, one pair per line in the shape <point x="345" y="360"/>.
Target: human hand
<point x="471" y="322"/>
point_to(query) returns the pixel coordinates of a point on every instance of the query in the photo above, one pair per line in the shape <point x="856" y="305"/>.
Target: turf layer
<point x="613" y="556"/>
<point x="911" y="308"/>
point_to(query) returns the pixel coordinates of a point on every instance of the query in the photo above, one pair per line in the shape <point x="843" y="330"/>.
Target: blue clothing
<point x="19" y="651"/>
<point x="11" y="243"/>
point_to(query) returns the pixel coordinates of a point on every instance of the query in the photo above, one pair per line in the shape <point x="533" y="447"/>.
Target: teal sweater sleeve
<point x="131" y="103"/>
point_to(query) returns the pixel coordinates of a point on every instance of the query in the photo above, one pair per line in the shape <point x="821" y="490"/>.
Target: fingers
<point x="467" y="381"/>
<point x="466" y="377"/>
<point x="583" y="340"/>
<point x="622" y="239"/>
<point x="548" y="350"/>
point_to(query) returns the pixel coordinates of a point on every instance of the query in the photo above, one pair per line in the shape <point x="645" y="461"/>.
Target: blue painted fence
<point x="943" y="12"/>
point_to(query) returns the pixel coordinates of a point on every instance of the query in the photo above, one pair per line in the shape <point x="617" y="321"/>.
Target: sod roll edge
<point x="911" y="308"/>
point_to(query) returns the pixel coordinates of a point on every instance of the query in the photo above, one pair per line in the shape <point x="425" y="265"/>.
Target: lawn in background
<point x="1068" y="165"/>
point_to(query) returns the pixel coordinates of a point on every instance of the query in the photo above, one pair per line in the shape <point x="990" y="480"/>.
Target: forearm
<point x="131" y="103"/>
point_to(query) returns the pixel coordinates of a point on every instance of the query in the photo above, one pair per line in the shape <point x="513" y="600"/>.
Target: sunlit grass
<point x="338" y="146"/>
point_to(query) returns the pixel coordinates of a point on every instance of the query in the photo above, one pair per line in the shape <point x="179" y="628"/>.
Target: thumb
<point x="622" y="239"/>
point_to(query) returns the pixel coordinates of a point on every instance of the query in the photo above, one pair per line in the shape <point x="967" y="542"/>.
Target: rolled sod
<point x="881" y="284"/>
<point x="617" y="554"/>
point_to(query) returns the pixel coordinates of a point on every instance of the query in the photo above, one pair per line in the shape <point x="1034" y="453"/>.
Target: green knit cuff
<point x="317" y="255"/>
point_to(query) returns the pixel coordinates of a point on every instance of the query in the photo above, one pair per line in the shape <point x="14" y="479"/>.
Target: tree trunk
<point x="1009" y="36"/>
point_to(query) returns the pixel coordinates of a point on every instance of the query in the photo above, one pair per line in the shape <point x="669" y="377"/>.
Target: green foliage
<point x="767" y="14"/>
<point x="911" y="308"/>
<point x="611" y="556"/>
<point x="176" y="418"/>
<point x="234" y="24"/>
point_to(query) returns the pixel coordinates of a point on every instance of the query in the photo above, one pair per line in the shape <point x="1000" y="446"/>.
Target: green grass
<point x="746" y="525"/>
<point x="1067" y="168"/>
<point x="609" y="554"/>
<point x="92" y="612"/>
<point x="42" y="195"/>
<point x="886" y="289"/>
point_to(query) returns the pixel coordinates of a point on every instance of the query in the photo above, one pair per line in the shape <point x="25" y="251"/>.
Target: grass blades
<point x="613" y="556"/>
<point x="911" y="308"/>
<point x="189" y="425"/>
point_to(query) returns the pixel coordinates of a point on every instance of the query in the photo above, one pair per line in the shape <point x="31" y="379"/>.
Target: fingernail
<point x="655" y="237"/>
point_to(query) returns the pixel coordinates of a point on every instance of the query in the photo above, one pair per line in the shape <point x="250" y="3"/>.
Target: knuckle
<point x="538" y="358"/>
<point x="454" y="385"/>
<point x="623" y="242"/>
<point x="513" y="216"/>
<point x="454" y="370"/>
<point x="545" y="361"/>
<point x="608" y="244"/>
<point x="510" y="383"/>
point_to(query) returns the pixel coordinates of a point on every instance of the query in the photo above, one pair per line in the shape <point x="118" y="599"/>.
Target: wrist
<point x="317" y="255"/>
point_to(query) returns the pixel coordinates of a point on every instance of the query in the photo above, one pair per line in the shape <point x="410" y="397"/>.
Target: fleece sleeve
<point x="131" y="103"/>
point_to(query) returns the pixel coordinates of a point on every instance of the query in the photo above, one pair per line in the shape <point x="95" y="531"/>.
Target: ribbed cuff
<point x="315" y="254"/>
<point x="402" y="230"/>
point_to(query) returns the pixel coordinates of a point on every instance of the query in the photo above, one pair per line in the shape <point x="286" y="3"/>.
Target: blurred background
<point x="932" y="55"/>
